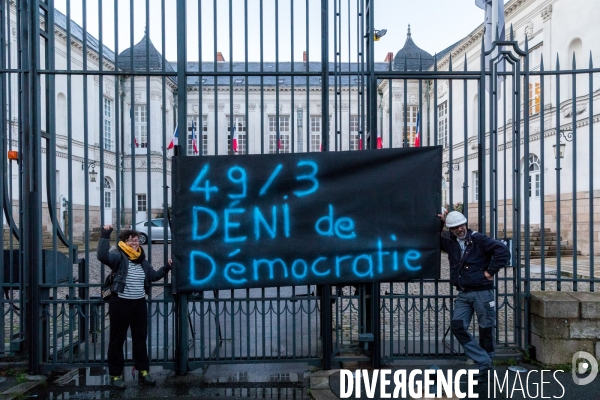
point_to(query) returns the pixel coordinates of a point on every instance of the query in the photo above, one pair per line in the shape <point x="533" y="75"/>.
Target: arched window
<point x="534" y="176"/>
<point x="107" y="193"/>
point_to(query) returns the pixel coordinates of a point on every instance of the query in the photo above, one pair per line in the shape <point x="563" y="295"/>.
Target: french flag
<point x="194" y="144"/>
<point x="235" y="140"/>
<point x="418" y="135"/>
<point x="175" y="140"/>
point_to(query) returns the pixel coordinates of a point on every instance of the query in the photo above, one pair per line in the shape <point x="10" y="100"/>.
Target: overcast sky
<point x="435" y="25"/>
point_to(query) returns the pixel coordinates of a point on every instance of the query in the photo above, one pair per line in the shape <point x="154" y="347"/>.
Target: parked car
<point x="157" y="227"/>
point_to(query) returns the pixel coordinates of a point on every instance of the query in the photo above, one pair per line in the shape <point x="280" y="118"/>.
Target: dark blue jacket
<point x="481" y="254"/>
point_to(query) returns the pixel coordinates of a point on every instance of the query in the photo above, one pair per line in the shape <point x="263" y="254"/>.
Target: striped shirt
<point x="134" y="286"/>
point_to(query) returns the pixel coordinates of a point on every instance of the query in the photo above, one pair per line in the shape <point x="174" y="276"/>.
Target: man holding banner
<point x="474" y="260"/>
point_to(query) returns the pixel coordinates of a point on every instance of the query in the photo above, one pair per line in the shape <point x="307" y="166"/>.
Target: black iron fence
<point x="91" y="110"/>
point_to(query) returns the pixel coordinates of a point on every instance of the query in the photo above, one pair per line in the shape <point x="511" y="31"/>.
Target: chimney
<point x="220" y="56"/>
<point x="389" y="57"/>
<point x="304" y="56"/>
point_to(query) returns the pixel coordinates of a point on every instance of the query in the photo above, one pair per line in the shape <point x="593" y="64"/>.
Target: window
<point x="354" y="127"/>
<point x="443" y="124"/>
<point x="535" y="58"/>
<point x="475" y="185"/>
<point x="141" y="202"/>
<point x="534" y="95"/>
<point x="108" y="142"/>
<point x="204" y="144"/>
<point x="315" y="134"/>
<point x="534" y="176"/>
<point x="284" y="134"/>
<point x="410" y="114"/>
<point x="204" y="135"/>
<point x="141" y="126"/>
<point x="190" y="145"/>
<point x="107" y="194"/>
<point x="240" y="134"/>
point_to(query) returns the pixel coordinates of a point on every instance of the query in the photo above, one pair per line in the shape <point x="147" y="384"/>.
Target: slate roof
<point x="270" y="67"/>
<point x="145" y="58"/>
<point x="77" y="32"/>
<point x="447" y="50"/>
<point x="412" y="55"/>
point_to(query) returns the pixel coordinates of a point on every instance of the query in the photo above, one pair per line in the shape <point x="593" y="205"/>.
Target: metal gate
<point x="92" y="110"/>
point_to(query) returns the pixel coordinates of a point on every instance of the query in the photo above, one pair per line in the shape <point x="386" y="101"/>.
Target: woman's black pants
<point x="125" y="314"/>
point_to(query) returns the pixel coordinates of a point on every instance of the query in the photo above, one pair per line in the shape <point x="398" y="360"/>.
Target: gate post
<point x="30" y="148"/>
<point x="181" y="302"/>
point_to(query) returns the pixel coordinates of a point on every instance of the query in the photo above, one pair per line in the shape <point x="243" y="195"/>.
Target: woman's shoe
<point x="117" y="382"/>
<point x="144" y="378"/>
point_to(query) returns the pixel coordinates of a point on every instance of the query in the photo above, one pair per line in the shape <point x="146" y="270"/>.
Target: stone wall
<point x="550" y="218"/>
<point x="563" y="323"/>
<point x="582" y="213"/>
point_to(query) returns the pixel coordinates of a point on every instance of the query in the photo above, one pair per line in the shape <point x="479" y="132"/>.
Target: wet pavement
<point x="265" y="381"/>
<point x="503" y="383"/>
<point x="300" y="381"/>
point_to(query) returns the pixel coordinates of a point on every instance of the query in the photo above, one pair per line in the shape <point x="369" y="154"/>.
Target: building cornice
<point x="476" y="36"/>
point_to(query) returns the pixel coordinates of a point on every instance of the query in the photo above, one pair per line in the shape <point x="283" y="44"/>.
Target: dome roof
<point x="141" y="56"/>
<point x="412" y="55"/>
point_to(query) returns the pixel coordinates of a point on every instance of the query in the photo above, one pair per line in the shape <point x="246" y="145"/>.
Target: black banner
<point x="306" y="218"/>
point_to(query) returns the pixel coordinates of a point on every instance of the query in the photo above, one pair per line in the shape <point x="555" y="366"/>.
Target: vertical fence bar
<point x="591" y="171"/>
<point x="542" y="176"/>
<point x="574" y="167"/>
<point x="326" y="317"/>
<point x="527" y="225"/>
<point x="481" y="144"/>
<point x="32" y="172"/>
<point x="181" y="344"/>
<point x="557" y="168"/>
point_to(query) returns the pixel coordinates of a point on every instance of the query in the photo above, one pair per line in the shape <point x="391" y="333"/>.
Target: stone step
<point x="539" y="241"/>
<point x="550" y="248"/>
<point x="538" y="254"/>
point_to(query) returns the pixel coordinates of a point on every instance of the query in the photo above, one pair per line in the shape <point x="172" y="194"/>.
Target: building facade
<point x="120" y="125"/>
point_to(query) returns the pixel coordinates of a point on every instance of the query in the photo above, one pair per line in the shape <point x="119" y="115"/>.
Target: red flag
<point x="194" y="144"/>
<point x="135" y="142"/>
<point x="418" y="135"/>
<point x="235" y="141"/>
<point x="174" y="141"/>
<point x="379" y="142"/>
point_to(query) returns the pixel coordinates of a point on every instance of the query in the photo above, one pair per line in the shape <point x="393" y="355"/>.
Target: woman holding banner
<point x="127" y="307"/>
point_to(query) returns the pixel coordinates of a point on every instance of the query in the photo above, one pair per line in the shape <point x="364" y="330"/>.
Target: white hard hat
<point x="454" y="219"/>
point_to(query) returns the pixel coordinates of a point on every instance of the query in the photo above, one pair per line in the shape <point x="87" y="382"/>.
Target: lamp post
<point x="93" y="174"/>
<point x="378" y="34"/>
<point x="568" y="136"/>
<point x="454" y="166"/>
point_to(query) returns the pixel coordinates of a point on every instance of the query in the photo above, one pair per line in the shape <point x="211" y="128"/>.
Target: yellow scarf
<point x="131" y="253"/>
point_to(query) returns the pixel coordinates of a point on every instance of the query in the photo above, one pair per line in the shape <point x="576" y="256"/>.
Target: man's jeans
<point x="483" y="304"/>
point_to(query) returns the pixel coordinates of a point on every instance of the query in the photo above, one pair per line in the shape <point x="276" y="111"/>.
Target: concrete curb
<point x="22" y="388"/>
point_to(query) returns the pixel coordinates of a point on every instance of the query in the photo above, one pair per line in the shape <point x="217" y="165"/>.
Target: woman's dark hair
<point x="127" y="233"/>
